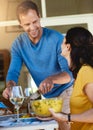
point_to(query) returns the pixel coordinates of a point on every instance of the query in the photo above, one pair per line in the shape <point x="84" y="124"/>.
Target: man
<point x="40" y="50"/>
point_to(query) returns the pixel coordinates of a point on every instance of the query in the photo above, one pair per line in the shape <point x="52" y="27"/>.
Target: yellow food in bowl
<point x="41" y="107"/>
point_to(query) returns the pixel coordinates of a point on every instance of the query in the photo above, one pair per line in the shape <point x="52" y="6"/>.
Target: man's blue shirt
<point x="42" y="59"/>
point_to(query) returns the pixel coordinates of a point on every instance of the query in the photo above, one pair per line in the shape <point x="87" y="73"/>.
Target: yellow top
<point x="79" y="101"/>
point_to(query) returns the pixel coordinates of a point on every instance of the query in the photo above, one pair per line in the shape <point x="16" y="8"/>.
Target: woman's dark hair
<point x="25" y="6"/>
<point x="81" y="41"/>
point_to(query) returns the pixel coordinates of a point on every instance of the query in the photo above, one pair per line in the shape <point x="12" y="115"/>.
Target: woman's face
<point x="65" y="48"/>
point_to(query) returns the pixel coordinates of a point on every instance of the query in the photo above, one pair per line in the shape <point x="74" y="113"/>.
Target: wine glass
<point x="16" y="98"/>
<point x="28" y="92"/>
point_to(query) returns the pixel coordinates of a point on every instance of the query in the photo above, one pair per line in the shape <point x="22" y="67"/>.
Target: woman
<point x="77" y="48"/>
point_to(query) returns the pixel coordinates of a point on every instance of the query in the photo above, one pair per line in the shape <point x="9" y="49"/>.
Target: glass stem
<point x="17" y="108"/>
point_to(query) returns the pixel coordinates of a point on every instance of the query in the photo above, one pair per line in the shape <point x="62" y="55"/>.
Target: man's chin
<point x="33" y="36"/>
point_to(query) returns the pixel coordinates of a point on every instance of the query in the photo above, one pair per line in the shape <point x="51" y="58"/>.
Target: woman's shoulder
<point x="86" y="70"/>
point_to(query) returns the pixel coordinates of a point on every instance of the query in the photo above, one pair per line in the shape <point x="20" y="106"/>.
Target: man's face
<point x="31" y="24"/>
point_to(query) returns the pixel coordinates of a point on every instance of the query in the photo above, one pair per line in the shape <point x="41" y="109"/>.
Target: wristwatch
<point x="69" y="117"/>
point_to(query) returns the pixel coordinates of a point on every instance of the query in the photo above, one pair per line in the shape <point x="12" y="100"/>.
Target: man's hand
<point x="10" y="83"/>
<point x="7" y="89"/>
<point x="46" y="85"/>
<point x="6" y="92"/>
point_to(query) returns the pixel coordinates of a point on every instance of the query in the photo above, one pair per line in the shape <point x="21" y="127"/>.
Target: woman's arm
<point x="86" y="116"/>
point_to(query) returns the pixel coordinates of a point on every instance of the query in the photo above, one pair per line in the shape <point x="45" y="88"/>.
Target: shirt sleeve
<point x="15" y="64"/>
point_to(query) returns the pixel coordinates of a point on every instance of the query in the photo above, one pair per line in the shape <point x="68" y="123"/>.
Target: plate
<point x="5" y="117"/>
<point x="44" y="118"/>
<point x="10" y="121"/>
<point x="30" y="119"/>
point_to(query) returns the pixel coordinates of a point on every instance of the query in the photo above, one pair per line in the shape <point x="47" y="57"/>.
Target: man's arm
<point x="60" y="78"/>
<point x="47" y="84"/>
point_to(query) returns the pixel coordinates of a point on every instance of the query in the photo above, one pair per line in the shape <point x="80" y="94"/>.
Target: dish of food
<point x="41" y="107"/>
<point x="22" y="116"/>
<point x="27" y="115"/>
<point x="4" y="111"/>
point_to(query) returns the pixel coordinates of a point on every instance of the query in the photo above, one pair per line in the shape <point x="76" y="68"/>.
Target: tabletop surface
<point x="9" y="123"/>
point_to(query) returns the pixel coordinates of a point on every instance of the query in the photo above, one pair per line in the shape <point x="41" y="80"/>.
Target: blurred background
<point x="56" y="14"/>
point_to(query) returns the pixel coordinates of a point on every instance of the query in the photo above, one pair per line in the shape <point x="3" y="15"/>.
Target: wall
<point x="60" y="7"/>
<point x="6" y="38"/>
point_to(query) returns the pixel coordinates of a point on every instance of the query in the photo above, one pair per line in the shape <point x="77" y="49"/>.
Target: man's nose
<point x="32" y="27"/>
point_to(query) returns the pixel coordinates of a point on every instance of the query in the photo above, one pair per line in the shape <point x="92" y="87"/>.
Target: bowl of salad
<point x="41" y="107"/>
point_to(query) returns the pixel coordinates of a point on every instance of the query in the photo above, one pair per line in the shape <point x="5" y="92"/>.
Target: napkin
<point x="2" y="105"/>
<point x="6" y="122"/>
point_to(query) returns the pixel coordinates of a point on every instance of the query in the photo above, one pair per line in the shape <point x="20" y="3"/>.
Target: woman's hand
<point x="59" y="116"/>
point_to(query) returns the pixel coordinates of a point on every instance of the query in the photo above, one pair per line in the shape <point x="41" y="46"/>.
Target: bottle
<point x="36" y="95"/>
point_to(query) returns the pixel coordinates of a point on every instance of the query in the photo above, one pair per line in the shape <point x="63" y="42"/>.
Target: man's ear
<point x="20" y="24"/>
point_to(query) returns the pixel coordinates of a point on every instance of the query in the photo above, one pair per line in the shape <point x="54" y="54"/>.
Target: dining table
<point x="8" y="123"/>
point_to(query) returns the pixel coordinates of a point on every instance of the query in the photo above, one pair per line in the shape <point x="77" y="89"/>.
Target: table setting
<point x="38" y="117"/>
<point x="9" y="122"/>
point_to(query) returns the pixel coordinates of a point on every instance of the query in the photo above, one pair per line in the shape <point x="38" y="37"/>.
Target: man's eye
<point x="27" y="24"/>
<point x="34" y="22"/>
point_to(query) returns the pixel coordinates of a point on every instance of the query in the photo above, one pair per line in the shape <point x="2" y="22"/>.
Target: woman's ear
<point x="68" y="47"/>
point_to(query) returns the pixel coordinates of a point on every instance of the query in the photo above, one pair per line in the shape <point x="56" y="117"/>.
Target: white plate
<point x="5" y="117"/>
<point x="44" y="118"/>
